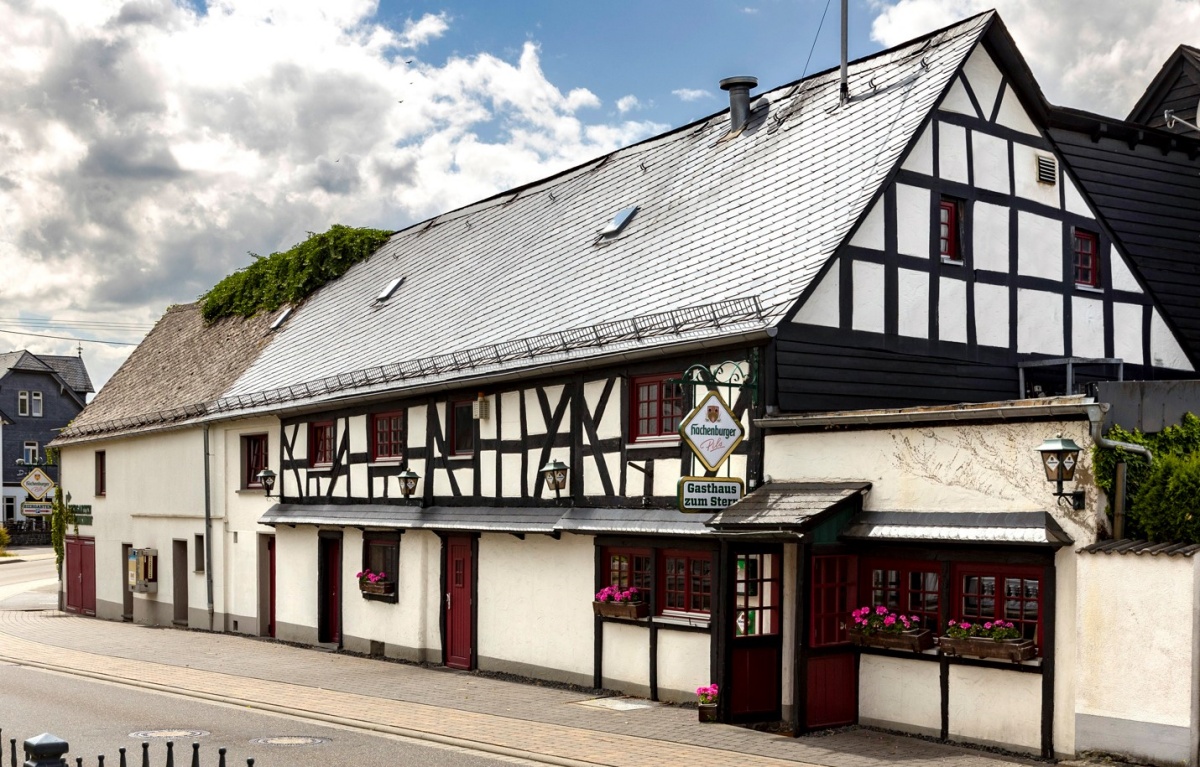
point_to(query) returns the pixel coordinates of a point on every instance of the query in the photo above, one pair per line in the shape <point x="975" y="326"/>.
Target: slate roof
<point x="70" y="369"/>
<point x="1175" y="87"/>
<point x="788" y="505"/>
<point x="1036" y="528"/>
<point x="1126" y="546"/>
<point x="179" y="367"/>
<point x="730" y="232"/>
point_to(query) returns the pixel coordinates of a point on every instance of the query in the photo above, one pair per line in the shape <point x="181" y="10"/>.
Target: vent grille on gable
<point x="1047" y="170"/>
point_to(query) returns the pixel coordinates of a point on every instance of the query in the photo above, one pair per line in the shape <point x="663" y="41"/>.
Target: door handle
<point x="447" y="600"/>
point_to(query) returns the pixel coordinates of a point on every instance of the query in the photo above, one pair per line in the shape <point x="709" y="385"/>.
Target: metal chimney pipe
<point x="844" y="90"/>
<point x="739" y="100"/>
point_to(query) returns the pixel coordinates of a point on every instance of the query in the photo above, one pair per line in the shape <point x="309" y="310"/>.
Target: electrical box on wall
<point x="479" y="408"/>
<point x="143" y="570"/>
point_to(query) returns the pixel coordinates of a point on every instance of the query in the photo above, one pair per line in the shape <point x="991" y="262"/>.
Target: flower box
<point x="621" y="609"/>
<point x="378" y="587"/>
<point x="1015" y="650"/>
<point x="913" y="641"/>
<point x="708" y="712"/>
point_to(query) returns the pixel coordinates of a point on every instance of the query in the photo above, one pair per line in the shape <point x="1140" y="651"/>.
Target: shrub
<point x="4" y="539"/>
<point x="1166" y="507"/>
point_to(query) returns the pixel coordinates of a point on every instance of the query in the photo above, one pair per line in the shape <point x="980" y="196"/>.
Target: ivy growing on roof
<point x="1164" y="497"/>
<point x="290" y="276"/>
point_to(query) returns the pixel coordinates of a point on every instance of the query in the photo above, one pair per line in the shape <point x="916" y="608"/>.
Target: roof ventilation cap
<point x="739" y="99"/>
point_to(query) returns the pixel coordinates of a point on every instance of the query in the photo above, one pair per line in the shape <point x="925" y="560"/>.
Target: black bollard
<point x="79" y="761"/>
<point x="122" y="751"/>
<point x="195" y="754"/>
<point x="221" y="760"/>
<point x="170" y="753"/>
<point x="12" y="744"/>
<point x="100" y="761"/>
<point x="46" y="750"/>
<point x="250" y="762"/>
<point x="145" y="753"/>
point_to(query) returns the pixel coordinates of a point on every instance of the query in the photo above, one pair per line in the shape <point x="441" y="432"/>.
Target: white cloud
<point x="627" y="104"/>
<point x="429" y="27"/>
<point x="145" y="147"/>
<point x="1099" y="57"/>
<point x="691" y="94"/>
<point x="749" y="10"/>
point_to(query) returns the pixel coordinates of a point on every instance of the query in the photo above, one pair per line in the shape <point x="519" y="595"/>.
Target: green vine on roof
<point x="1163" y="497"/>
<point x="292" y="275"/>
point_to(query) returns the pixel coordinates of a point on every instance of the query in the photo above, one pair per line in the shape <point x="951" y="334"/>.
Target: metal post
<point x="195" y="754"/>
<point x="145" y="753"/>
<point x="46" y="750"/>
<point x="121" y="750"/>
<point x="221" y="760"/>
<point x="170" y="753"/>
<point x="844" y="91"/>
<point x="1119" y="502"/>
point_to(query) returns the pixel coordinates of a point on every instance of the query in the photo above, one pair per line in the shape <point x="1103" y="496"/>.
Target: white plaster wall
<point x="683" y="663"/>
<point x="413" y="621"/>
<point x="1087" y="327"/>
<point x="357" y="424"/>
<point x="488" y="427"/>
<point x="1066" y="648"/>
<point x="990" y="154"/>
<point x="1137" y="638"/>
<point x="957" y="100"/>
<point x="905" y="694"/>
<point x="919" y="160"/>
<point x="1013" y="115"/>
<point x="610" y="425"/>
<point x="967" y="467"/>
<point x="868" y="297"/>
<point x="1039" y="246"/>
<point x="1074" y="200"/>
<point x="822" y="306"/>
<point x="991" y="315"/>
<point x="523" y="615"/>
<point x="996" y="706"/>
<point x="913" y="289"/>
<point x="533" y="411"/>
<point x="236" y="575"/>
<point x="296" y="575"/>
<point x="990" y="246"/>
<point x="1025" y="182"/>
<point x="913" y="211"/>
<point x="1122" y="278"/>
<point x="952" y="155"/>
<point x="1164" y="349"/>
<point x="1039" y="322"/>
<point x="626" y="656"/>
<point x="952" y="310"/>
<point x="417" y="425"/>
<point x="984" y="78"/>
<point x="1127" y="332"/>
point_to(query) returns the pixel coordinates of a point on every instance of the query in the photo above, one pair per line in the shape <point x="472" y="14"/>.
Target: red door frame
<point x="756" y="680"/>
<point x="271" y="586"/>
<point x="80" y="576"/>
<point x="329" y="587"/>
<point x="831" y="664"/>
<point x="458" y="601"/>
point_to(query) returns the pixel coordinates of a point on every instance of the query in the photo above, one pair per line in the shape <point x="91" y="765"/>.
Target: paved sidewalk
<point x="538" y="723"/>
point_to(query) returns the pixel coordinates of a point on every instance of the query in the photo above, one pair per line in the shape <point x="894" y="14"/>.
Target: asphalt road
<point x="99" y="718"/>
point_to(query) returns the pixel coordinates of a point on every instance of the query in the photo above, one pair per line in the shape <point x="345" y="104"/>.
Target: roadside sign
<point x="36" y="508"/>
<point x="712" y="431"/>
<point x="37" y="483"/>
<point x="700" y="494"/>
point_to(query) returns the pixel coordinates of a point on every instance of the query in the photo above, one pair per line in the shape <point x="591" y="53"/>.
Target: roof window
<point x="391" y="288"/>
<point x="619" y="221"/>
<point x="282" y="318"/>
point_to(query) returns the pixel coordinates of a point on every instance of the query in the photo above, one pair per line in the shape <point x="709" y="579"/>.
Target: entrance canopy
<point x="1035" y="528"/>
<point x="793" y="507"/>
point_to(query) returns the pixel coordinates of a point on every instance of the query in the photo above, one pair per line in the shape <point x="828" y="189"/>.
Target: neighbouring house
<point x="39" y="395"/>
<point x="899" y="296"/>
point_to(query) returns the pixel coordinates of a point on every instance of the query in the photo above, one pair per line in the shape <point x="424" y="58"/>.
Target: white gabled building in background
<point x="847" y="274"/>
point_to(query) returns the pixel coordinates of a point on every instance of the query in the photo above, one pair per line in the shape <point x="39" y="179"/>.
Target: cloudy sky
<point x="148" y="146"/>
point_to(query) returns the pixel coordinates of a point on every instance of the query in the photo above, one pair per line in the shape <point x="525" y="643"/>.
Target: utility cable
<point x="67" y="338"/>
<point x="815" y="38"/>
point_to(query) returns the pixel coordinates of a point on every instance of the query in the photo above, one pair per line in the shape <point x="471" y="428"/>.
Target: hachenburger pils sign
<point x="712" y="431"/>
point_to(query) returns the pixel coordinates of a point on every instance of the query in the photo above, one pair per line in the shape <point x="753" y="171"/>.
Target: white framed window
<point x="23" y="403"/>
<point x="31" y="452"/>
<point x="35" y="404"/>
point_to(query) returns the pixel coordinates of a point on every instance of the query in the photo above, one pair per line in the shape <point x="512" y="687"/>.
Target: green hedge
<point x="292" y="275"/>
<point x="1163" y="497"/>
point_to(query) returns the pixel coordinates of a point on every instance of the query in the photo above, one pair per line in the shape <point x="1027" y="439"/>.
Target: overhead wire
<point x="66" y="338"/>
<point x="815" y="38"/>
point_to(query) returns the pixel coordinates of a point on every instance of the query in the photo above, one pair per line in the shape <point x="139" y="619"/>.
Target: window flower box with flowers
<point x="613" y="602"/>
<point x="879" y="627"/>
<point x="992" y="639"/>
<point x="375" y="583"/>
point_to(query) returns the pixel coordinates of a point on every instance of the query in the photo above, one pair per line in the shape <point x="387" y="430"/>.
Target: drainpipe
<point x="208" y="573"/>
<point x="1095" y="416"/>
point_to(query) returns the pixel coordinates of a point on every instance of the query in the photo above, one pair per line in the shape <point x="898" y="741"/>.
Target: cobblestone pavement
<point x="540" y="723"/>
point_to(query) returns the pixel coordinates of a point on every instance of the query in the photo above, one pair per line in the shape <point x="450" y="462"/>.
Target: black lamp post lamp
<point x="408" y="482"/>
<point x="555" y="473"/>
<point x="1060" y="456"/>
<point x="267" y="478"/>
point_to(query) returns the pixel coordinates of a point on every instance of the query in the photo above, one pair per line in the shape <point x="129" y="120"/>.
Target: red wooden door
<point x="74" y="576"/>
<point x="329" y="627"/>
<point x="831" y="670"/>
<point x="757" y="639"/>
<point x="271" y="586"/>
<point x="459" y="567"/>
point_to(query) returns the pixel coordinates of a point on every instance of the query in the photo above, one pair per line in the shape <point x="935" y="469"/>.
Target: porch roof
<point x="793" y="506"/>
<point x="1036" y="528"/>
<point x="636" y="521"/>
<point x="495" y="519"/>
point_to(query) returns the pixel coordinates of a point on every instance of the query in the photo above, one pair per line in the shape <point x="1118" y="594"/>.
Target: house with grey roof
<point x="39" y="395"/>
<point x="760" y="369"/>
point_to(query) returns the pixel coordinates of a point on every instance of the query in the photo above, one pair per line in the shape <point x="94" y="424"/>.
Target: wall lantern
<point x="408" y="482"/>
<point x="1060" y="456"/>
<point x="267" y="478"/>
<point x="555" y="473"/>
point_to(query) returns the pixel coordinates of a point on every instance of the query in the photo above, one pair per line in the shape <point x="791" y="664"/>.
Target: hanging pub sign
<point x="709" y="493"/>
<point x="37" y="483"/>
<point x="712" y="431"/>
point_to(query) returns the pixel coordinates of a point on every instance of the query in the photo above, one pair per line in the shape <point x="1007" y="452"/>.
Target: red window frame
<point x="950" y="229"/>
<point x="975" y="598"/>
<point x="758" y="592"/>
<point x="388" y="436"/>
<point x="630" y="567"/>
<point x="101" y="473"/>
<point x="910" y="587"/>
<point x="1086" y="247"/>
<point x="461" y="417"/>
<point x="254" y="459"/>
<point x="321" y="436"/>
<point x="656" y="407"/>
<point x="685" y="585"/>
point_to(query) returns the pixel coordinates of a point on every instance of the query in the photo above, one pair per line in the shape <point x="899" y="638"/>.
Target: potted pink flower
<point x="375" y="583"/>
<point x="614" y="602"/>
<point x="707" y="702"/>
<point x="880" y="627"/>
<point x="986" y="639"/>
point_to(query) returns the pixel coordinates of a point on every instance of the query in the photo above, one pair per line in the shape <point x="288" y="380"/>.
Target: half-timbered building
<point x="911" y="242"/>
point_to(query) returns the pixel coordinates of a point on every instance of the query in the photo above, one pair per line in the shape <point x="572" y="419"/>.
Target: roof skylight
<point x="282" y="318"/>
<point x="389" y="290"/>
<point x="619" y="221"/>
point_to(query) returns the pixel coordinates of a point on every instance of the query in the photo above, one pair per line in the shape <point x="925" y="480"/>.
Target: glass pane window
<point x="687" y="582"/>
<point x="254" y="459"/>
<point x="657" y="407"/>
<point x="320" y="443"/>
<point x="1087" y="264"/>
<point x="35" y="404"/>
<point x="758" y="589"/>
<point x="462" y="429"/>
<point x="950" y="228"/>
<point x="387" y="437"/>
<point x="1001" y="593"/>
